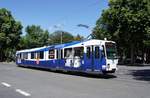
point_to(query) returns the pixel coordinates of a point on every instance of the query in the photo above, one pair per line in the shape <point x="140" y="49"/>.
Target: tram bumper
<point x="109" y="68"/>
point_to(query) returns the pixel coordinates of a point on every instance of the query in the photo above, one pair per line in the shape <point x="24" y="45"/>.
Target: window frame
<point x="51" y="54"/>
<point x="33" y="55"/>
<point x="79" y="51"/>
<point x="42" y="55"/>
<point x="88" y="52"/>
<point x="66" y="50"/>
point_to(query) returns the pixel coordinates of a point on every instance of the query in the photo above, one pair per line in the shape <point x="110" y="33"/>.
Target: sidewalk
<point x="136" y="64"/>
<point x="7" y="62"/>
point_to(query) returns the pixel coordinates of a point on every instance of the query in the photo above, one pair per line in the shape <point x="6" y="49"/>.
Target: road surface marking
<point x="23" y="92"/>
<point x="6" y="84"/>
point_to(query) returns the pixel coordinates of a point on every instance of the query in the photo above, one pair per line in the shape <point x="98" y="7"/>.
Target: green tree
<point x="23" y="44"/>
<point x="78" y="37"/>
<point x="10" y="31"/>
<point x="55" y="38"/>
<point x="35" y="37"/>
<point x="126" y="22"/>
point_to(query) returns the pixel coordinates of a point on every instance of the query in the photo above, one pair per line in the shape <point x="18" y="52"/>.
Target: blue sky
<point x="66" y="14"/>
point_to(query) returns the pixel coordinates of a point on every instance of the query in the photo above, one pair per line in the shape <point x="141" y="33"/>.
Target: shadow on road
<point x="88" y="75"/>
<point x="143" y="75"/>
<point x="81" y="74"/>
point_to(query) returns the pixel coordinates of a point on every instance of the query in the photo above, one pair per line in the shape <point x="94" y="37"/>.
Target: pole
<point x="61" y="37"/>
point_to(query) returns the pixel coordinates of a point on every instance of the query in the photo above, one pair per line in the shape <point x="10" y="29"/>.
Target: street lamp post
<point x="61" y="37"/>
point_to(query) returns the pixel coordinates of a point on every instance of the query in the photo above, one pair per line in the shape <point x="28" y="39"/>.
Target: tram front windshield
<point x="111" y="50"/>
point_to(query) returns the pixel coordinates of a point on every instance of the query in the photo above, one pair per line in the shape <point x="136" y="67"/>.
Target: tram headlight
<point x="108" y="67"/>
<point x="103" y="67"/>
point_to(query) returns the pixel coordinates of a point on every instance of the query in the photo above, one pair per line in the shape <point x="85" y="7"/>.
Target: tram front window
<point x="111" y="50"/>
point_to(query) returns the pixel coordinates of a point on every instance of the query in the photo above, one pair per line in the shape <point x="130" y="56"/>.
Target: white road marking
<point x="23" y="92"/>
<point x="6" y="84"/>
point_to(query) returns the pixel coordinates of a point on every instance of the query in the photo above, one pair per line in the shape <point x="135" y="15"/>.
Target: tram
<point x="89" y="56"/>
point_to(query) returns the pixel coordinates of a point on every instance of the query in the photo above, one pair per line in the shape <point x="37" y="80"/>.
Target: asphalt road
<point x="127" y="82"/>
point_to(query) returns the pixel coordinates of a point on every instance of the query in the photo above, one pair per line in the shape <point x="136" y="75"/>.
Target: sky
<point x="54" y="15"/>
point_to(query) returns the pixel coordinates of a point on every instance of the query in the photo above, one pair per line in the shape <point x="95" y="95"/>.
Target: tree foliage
<point x="35" y="37"/>
<point x="78" y="37"/>
<point x="10" y="31"/>
<point x="55" y="38"/>
<point x="127" y="22"/>
<point x="12" y="40"/>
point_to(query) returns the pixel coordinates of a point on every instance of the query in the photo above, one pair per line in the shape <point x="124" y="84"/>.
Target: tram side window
<point x="88" y="52"/>
<point x="68" y="53"/>
<point x="32" y="55"/>
<point x="19" y="56"/>
<point x="97" y="54"/>
<point x="51" y="54"/>
<point x="41" y="55"/>
<point x="78" y="52"/>
<point x="25" y="55"/>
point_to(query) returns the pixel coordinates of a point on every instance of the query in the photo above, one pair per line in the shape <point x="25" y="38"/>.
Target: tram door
<point x="92" y="58"/>
<point x="59" y="61"/>
<point x="97" y="58"/>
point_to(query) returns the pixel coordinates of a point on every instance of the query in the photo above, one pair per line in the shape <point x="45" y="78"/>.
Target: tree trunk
<point x="124" y="57"/>
<point x="132" y="48"/>
<point x="1" y="55"/>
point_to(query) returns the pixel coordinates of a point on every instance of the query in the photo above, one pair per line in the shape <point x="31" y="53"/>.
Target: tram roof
<point x="65" y="45"/>
<point x="48" y="47"/>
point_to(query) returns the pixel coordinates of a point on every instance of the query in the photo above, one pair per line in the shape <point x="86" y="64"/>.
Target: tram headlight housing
<point x="108" y="66"/>
<point x="103" y="67"/>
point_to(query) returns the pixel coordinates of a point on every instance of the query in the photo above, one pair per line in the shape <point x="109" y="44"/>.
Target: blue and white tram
<point x="92" y="56"/>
